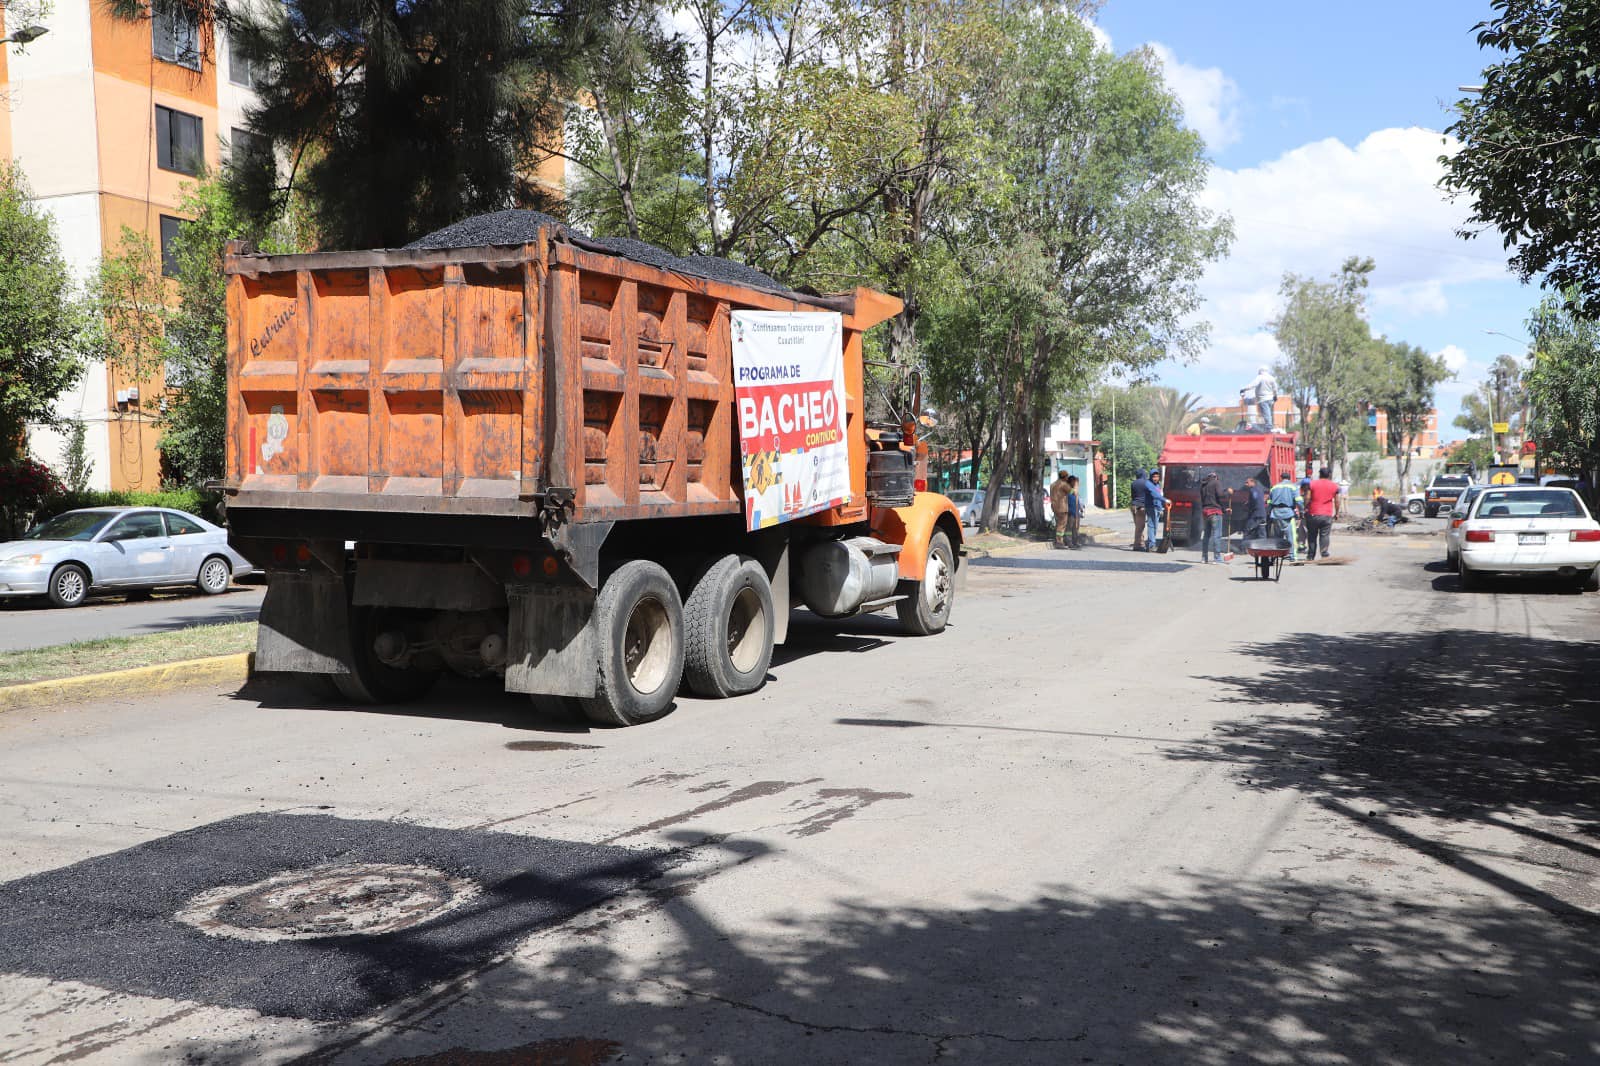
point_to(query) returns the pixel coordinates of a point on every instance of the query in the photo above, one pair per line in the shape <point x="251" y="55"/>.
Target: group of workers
<point x="1302" y="514"/>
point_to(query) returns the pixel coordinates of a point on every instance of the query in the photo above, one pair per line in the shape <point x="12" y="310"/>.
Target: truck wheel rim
<point x="647" y="645"/>
<point x="936" y="586"/>
<point x="69" y="586"/>
<point x="214" y="575"/>
<point x="746" y="630"/>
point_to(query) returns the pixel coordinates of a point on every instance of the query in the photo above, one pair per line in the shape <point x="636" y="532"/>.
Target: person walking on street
<point x="1155" y="509"/>
<point x="1342" y="504"/>
<point x="1074" y="513"/>
<point x="1141" y="496"/>
<point x="1215" y="515"/>
<point x="1058" y="505"/>
<point x="1255" y="514"/>
<point x="1284" y="507"/>
<point x="1320" y="505"/>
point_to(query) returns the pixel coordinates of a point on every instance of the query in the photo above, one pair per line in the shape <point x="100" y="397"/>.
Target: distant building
<point x="1425" y="445"/>
<point x="108" y="119"/>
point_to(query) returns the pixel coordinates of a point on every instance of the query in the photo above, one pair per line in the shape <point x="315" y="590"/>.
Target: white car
<point x="969" y="502"/>
<point x="1457" y="518"/>
<point x="1517" y="529"/>
<point x="117" y="548"/>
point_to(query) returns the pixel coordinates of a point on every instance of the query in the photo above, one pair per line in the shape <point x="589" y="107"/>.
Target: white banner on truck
<point x="788" y="376"/>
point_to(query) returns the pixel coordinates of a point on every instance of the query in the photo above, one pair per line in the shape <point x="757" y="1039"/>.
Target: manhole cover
<point x="344" y="899"/>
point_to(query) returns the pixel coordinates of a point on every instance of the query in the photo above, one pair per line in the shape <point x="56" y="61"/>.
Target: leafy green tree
<point x="1403" y="387"/>
<point x="1169" y="411"/>
<point x="397" y="117"/>
<point x="48" y="333"/>
<point x="1528" y="163"/>
<point x="1127" y="455"/>
<point x="1328" y="358"/>
<point x="194" y="436"/>
<point x="1102" y="175"/>
<point x="1563" y="386"/>
<point x="1498" y="398"/>
<point x="130" y="297"/>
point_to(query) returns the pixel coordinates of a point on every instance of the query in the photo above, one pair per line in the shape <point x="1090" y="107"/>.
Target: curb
<point x="139" y="680"/>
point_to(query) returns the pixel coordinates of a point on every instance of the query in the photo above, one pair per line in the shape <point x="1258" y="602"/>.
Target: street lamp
<point x="26" y="34"/>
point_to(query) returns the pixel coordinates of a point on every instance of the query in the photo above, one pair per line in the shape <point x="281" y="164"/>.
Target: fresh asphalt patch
<point x="303" y="916"/>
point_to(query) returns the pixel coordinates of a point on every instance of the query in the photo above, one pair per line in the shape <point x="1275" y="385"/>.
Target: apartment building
<point x="109" y="119"/>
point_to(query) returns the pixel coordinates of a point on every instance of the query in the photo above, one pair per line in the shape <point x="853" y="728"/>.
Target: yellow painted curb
<point x="140" y="679"/>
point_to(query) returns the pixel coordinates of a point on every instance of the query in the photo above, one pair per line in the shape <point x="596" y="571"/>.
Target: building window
<point x="176" y="32"/>
<point x="169" y="245"/>
<point x="245" y="147"/>
<point x="240" y="72"/>
<point x="178" y="141"/>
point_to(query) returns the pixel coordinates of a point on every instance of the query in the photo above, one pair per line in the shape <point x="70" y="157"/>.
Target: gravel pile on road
<point x="1369" y="526"/>
<point x="514" y="227"/>
<point x="495" y="228"/>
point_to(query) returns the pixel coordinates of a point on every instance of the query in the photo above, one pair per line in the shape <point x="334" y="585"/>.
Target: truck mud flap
<point x="304" y="626"/>
<point x="552" y="647"/>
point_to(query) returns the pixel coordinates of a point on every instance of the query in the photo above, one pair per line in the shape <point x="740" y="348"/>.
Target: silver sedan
<point x="117" y="548"/>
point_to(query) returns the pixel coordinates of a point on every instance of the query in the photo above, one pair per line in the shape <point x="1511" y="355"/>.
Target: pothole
<point x="328" y="900"/>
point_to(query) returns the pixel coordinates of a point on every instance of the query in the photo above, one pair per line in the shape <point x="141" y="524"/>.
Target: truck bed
<point x="478" y="380"/>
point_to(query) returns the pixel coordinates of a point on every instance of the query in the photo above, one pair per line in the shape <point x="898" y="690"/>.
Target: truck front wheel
<point x="926" y="607"/>
<point x="728" y="628"/>
<point x="639" y="623"/>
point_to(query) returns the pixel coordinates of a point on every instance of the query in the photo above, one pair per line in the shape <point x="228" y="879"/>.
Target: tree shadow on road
<point x="1215" y="972"/>
<point x="1452" y="723"/>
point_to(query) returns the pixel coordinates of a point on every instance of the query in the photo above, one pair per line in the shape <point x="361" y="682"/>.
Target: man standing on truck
<point x="1264" y="391"/>
<point x="1141" y="496"/>
<point x="1319" y="506"/>
<point x="1059" y="492"/>
<point x="1284" y="504"/>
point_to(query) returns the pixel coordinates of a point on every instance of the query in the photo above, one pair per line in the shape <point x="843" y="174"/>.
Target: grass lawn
<point x="122" y="653"/>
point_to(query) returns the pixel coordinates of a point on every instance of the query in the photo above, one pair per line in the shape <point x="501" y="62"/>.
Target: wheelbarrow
<point x="1269" y="554"/>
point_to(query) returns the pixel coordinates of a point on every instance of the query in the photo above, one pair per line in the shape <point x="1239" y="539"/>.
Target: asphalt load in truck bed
<point x="516" y="226"/>
<point x="303" y="916"/>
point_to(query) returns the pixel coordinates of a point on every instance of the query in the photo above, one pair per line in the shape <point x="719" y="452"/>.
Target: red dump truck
<point x="586" y="475"/>
<point x="1186" y="458"/>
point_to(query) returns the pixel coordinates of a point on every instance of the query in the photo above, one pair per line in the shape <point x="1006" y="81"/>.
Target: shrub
<point x="194" y="501"/>
<point x="25" y="486"/>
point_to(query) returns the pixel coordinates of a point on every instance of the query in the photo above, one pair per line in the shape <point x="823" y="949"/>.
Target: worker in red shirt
<point x="1320" y="504"/>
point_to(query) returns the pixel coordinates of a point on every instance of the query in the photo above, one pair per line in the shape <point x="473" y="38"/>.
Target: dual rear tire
<point x="718" y="642"/>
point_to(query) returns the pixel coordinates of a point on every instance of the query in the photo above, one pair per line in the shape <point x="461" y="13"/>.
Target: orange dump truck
<point x="587" y="475"/>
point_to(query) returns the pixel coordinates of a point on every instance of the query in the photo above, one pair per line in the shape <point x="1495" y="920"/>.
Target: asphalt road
<point x="35" y="624"/>
<point x="1126" y="810"/>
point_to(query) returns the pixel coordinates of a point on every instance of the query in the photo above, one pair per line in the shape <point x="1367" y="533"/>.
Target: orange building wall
<point x="5" y="79"/>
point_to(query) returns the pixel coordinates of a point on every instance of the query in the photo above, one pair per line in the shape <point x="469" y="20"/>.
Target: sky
<point x="1324" y="124"/>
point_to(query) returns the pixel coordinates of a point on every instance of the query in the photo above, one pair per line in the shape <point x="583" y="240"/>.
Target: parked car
<point x="123" y="548"/>
<point x="1442" y="492"/>
<point x="1524" y="529"/>
<point x="969" y="502"/>
<point x="1458" y="516"/>
<point x="1414" y="502"/>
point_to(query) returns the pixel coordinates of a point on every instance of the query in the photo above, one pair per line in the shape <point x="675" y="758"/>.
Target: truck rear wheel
<point x="371" y="680"/>
<point x="926" y="607"/>
<point x="639" y="623"/>
<point x="728" y="628"/>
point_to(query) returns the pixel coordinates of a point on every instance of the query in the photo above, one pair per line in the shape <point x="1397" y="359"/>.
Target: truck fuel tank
<point x="840" y="577"/>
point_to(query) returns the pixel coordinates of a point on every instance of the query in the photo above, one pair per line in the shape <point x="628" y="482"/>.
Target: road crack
<point x="938" y="1039"/>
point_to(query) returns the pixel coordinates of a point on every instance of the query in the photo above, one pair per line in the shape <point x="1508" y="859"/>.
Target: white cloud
<point x="1210" y="98"/>
<point x="1312" y="207"/>
<point x="1454" y="358"/>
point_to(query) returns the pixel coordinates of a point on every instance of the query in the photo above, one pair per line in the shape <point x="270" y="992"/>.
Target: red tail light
<point x="920" y="484"/>
<point x="1480" y="536"/>
<point x="1586" y="534"/>
<point x="1180" y="505"/>
<point x="280" y="553"/>
<point x="521" y="565"/>
<point x="1455" y="523"/>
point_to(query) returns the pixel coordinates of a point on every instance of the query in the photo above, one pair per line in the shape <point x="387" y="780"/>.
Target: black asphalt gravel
<point x="513" y="227"/>
<point x="109" y="921"/>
